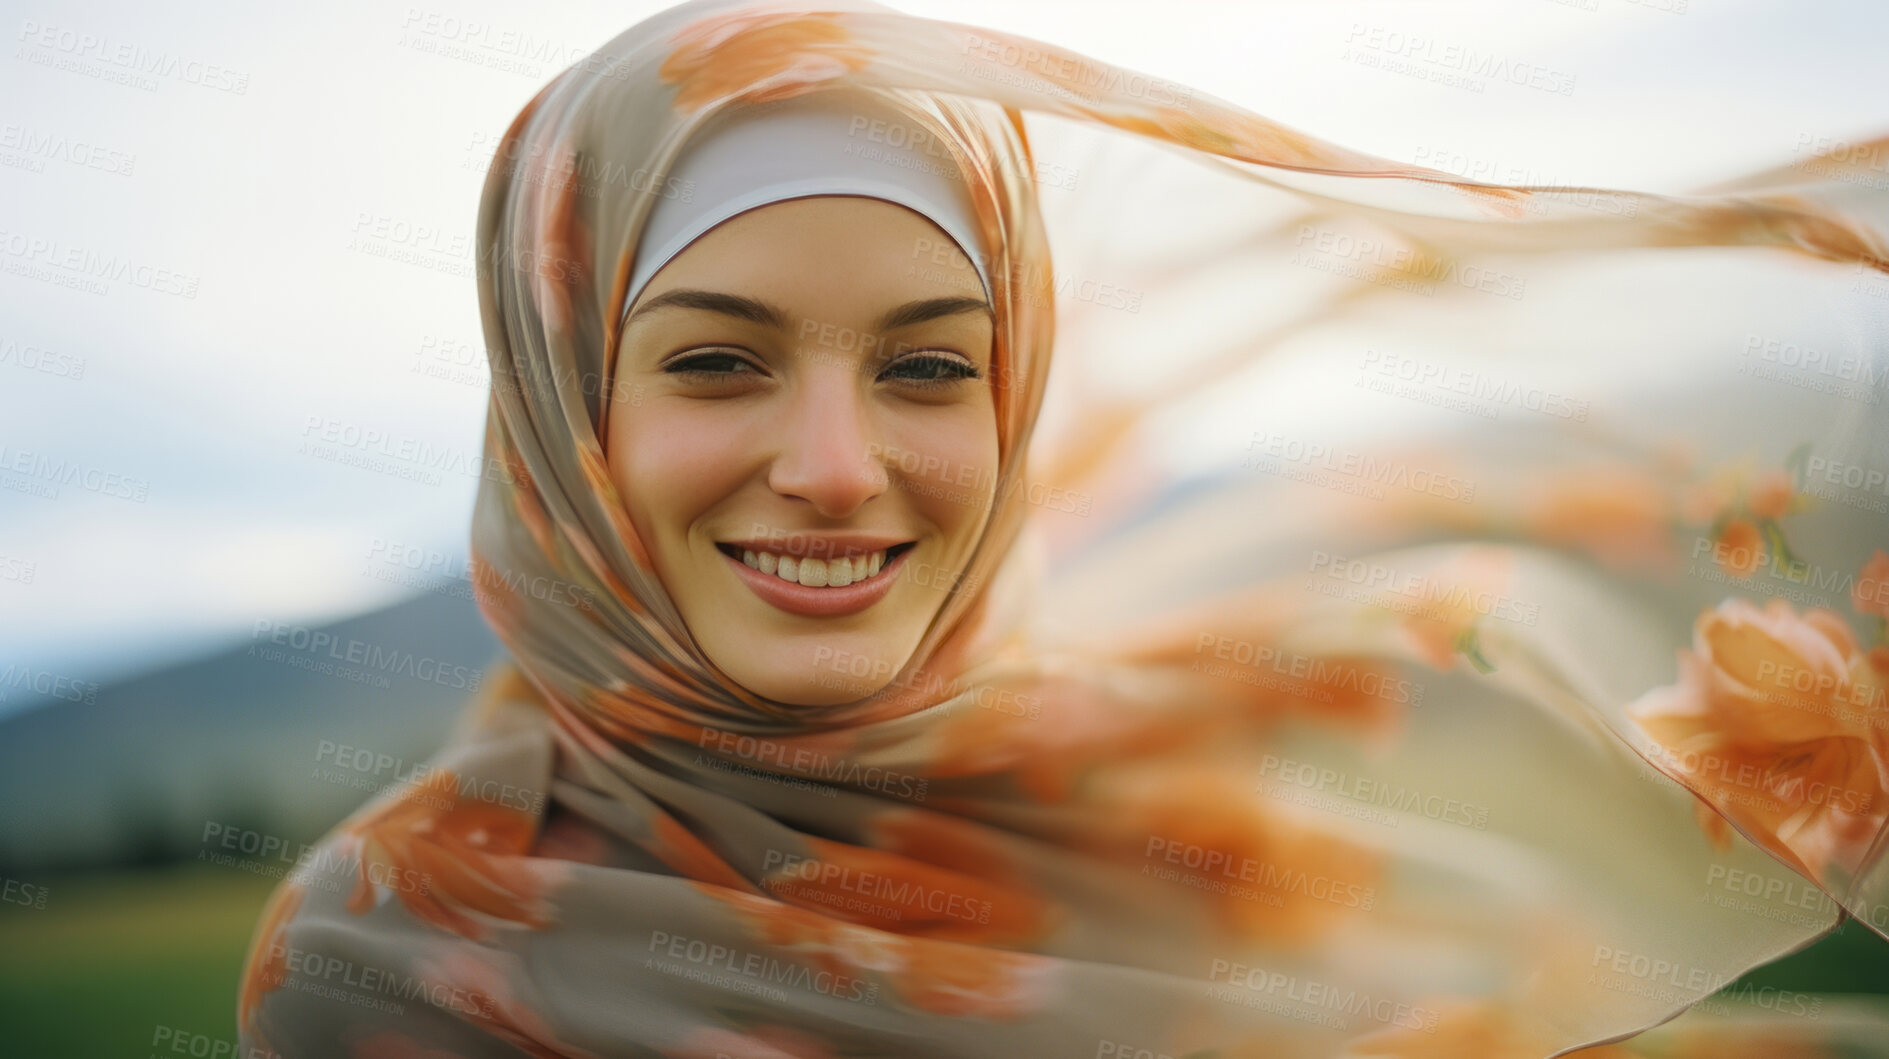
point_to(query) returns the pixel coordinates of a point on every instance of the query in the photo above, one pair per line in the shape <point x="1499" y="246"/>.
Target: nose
<point x="827" y="453"/>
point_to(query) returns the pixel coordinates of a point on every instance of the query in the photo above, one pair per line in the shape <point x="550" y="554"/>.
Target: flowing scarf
<point x="1418" y="617"/>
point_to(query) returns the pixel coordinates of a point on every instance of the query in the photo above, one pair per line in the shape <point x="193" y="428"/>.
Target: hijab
<point x="1419" y="616"/>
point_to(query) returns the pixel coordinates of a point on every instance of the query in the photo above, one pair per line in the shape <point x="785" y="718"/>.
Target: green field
<point x="113" y="960"/>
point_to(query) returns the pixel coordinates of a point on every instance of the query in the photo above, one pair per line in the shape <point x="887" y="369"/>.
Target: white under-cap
<point x="823" y="143"/>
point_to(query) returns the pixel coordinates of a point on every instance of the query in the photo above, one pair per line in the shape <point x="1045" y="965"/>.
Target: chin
<point x="826" y="671"/>
<point x="830" y="690"/>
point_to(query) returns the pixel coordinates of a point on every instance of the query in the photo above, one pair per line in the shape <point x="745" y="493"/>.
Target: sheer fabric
<point x="1420" y="618"/>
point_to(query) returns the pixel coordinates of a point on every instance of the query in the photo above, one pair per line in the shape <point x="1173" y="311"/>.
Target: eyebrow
<point x="756" y="311"/>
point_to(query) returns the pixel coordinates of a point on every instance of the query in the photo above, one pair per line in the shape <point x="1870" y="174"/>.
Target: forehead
<point x="830" y="250"/>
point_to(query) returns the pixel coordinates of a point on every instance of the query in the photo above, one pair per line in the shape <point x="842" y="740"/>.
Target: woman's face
<point x="812" y="382"/>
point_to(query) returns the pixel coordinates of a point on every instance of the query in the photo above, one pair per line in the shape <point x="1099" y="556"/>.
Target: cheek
<point x="671" y="467"/>
<point x="956" y="450"/>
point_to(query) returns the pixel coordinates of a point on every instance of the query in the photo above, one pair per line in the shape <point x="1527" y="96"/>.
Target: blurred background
<point x="242" y="391"/>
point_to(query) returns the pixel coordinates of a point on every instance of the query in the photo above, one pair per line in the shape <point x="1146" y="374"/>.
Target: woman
<point x="1490" y="664"/>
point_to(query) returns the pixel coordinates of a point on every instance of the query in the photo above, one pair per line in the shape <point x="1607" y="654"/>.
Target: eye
<point x="933" y="372"/>
<point x="708" y="366"/>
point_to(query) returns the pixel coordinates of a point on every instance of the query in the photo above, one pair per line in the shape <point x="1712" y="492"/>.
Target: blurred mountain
<point x="281" y="735"/>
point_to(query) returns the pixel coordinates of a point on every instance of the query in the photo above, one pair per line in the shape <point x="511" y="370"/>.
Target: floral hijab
<point x="1419" y="618"/>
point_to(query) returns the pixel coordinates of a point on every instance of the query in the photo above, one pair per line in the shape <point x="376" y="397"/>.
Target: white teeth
<point x="816" y="573"/>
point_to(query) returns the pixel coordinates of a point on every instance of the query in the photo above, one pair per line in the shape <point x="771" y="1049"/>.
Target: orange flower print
<point x="1217" y="129"/>
<point x="1771" y="495"/>
<point x="455" y="860"/>
<point x="1739" y="548"/>
<point x="1869" y="594"/>
<point x="1265" y="875"/>
<point x="1049" y="741"/>
<point x="267" y="966"/>
<point x="1781" y="723"/>
<point x="1621" y="515"/>
<point x="941" y="977"/>
<point x="567" y="836"/>
<point x="969" y="981"/>
<point x="1467" y="1029"/>
<point x="897" y="893"/>
<point x="759" y="57"/>
<point x="1455" y="596"/>
<point x="1742" y="506"/>
<point x="678" y="847"/>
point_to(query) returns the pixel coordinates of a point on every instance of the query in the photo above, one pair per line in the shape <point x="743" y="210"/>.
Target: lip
<point x="809" y="602"/>
<point x="819" y="545"/>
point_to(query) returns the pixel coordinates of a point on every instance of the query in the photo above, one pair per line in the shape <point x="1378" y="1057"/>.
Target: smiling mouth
<point x="813" y="572"/>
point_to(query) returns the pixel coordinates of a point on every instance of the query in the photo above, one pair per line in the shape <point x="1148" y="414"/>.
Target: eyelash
<point x="956" y="371"/>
